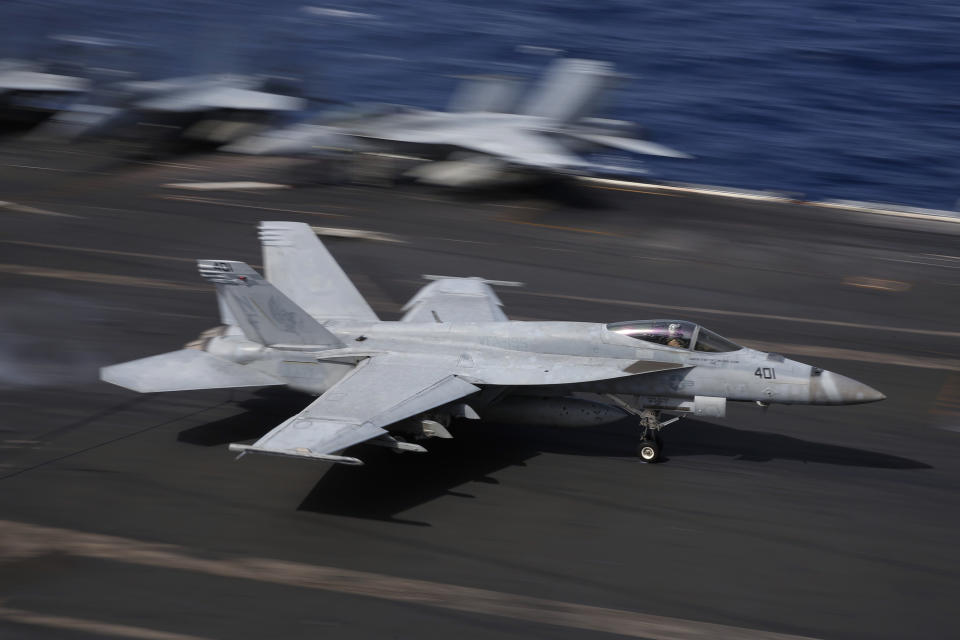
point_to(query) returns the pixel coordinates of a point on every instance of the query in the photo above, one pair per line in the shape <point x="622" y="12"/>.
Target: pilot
<point x="675" y="336"/>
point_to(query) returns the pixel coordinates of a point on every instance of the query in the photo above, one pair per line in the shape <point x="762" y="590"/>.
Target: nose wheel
<point x="650" y="448"/>
<point x="651" y="442"/>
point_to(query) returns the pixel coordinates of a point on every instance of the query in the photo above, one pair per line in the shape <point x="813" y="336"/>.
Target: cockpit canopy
<point x="679" y="334"/>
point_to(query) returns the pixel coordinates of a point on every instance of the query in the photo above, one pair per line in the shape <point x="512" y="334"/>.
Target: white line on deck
<point x="98" y="278"/>
<point x="938" y="215"/>
<point x="21" y="541"/>
<point x="22" y="208"/>
<point x="226" y="186"/>
<point x="112" y="252"/>
<point x="92" y="627"/>
<point x="835" y="353"/>
<point x="743" y="314"/>
<point x="227" y="203"/>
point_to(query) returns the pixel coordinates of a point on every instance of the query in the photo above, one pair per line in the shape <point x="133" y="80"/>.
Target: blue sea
<point x="821" y="98"/>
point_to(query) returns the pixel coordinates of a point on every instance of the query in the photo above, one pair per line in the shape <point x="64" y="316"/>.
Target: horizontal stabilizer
<point x="184" y="370"/>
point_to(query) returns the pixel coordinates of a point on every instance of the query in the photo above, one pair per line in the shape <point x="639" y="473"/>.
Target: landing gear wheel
<point x="649" y="451"/>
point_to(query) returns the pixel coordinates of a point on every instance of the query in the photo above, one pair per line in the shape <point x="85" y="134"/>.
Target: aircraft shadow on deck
<point x="390" y="484"/>
<point x="560" y="190"/>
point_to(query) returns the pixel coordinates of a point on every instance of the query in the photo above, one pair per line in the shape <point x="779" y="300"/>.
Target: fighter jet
<point x="207" y="110"/>
<point x="487" y="133"/>
<point x="454" y="353"/>
<point x="31" y="92"/>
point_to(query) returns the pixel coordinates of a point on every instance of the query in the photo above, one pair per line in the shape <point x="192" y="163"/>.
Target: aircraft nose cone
<point x="832" y="388"/>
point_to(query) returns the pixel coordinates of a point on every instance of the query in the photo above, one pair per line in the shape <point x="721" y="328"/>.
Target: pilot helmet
<point x="673" y="330"/>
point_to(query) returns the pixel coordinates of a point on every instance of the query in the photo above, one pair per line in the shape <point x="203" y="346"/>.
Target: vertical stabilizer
<point x="297" y="263"/>
<point x="570" y="89"/>
<point x="493" y="94"/>
<point x="263" y="313"/>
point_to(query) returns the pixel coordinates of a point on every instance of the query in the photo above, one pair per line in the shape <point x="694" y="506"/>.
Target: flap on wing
<point x="182" y="371"/>
<point x="455" y="300"/>
<point x="379" y="392"/>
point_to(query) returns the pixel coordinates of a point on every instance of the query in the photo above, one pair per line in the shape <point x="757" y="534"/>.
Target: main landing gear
<point x="650" y="447"/>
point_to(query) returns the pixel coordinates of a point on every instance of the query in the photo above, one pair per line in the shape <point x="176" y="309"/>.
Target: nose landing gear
<point x="651" y="442"/>
<point x="650" y="447"/>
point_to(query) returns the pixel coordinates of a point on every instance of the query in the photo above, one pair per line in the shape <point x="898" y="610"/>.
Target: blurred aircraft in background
<point x="32" y="92"/>
<point x="203" y="110"/>
<point x="490" y="133"/>
<point x="453" y="354"/>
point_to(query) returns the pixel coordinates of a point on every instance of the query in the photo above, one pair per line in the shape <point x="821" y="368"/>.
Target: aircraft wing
<point x="455" y="300"/>
<point x="504" y="137"/>
<point x="379" y="392"/>
<point x="42" y="82"/>
<point x="630" y="144"/>
<point x="296" y="139"/>
<point x="521" y="147"/>
<point x="222" y="98"/>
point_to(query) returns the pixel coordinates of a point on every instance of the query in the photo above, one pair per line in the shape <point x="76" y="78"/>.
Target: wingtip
<point x="294" y="453"/>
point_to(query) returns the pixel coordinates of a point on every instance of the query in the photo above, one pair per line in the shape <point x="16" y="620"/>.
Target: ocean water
<point x="822" y="98"/>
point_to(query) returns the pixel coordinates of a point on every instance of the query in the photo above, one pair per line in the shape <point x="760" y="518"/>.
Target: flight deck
<point x="125" y="515"/>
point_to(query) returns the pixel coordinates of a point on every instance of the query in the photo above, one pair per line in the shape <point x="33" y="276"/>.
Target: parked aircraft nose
<point x="827" y="387"/>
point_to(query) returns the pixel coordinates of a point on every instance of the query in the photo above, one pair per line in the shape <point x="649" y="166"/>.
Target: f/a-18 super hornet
<point x="453" y="354"/>
<point x="31" y="92"/>
<point x="491" y="133"/>
<point x="204" y="110"/>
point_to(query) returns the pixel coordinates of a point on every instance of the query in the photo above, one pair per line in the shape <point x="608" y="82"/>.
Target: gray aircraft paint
<point x="374" y="378"/>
